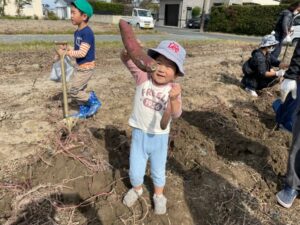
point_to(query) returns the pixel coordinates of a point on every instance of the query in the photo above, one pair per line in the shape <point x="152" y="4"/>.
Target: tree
<point x="147" y="4"/>
<point x="196" y="11"/>
<point x="205" y="3"/>
<point x="3" y="3"/>
<point x="20" y="5"/>
<point x="153" y="7"/>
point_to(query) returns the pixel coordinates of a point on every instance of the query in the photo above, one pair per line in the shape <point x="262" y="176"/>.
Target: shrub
<point x="52" y="16"/>
<point x="105" y="8"/>
<point x="15" y="17"/>
<point x="250" y="20"/>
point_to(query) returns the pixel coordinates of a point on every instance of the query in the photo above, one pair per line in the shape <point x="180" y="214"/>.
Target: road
<point x="166" y="34"/>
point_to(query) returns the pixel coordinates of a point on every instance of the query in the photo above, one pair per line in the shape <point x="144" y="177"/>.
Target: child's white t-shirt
<point x="150" y="102"/>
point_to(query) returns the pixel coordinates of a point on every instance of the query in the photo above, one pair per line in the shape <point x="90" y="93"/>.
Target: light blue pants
<point x="146" y="146"/>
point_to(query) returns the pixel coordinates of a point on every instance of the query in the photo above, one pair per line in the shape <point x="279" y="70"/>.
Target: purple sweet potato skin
<point x="135" y="51"/>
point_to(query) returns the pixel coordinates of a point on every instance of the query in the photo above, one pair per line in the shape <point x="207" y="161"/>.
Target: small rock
<point x="36" y="66"/>
<point x="202" y="151"/>
<point x="9" y="68"/>
<point x="4" y="115"/>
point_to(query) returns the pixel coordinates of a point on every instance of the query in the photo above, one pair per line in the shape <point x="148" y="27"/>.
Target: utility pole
<point x="203" y="14"/>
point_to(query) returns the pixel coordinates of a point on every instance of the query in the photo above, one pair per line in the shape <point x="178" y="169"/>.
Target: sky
<point x="49" y="2"/>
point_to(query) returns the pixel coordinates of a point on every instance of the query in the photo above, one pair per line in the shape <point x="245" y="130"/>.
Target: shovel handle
<point x="64" y="86"/>
<point x="285" y="51"/>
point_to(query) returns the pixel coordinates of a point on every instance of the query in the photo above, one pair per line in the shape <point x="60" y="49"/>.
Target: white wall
<point x="193" y="4"/>
<point x="182" y="9"/>
<point x="111" y="19"/>
<point x="262" y="2"/>
<point x="259" y="2"/>
<point x="35" y="9"/>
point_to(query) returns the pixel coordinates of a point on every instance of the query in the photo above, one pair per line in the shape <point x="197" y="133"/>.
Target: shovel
<point x="70" y="122"/>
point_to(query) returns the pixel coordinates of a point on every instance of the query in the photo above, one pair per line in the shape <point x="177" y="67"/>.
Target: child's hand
<point x="61" y="52"/>
<point x="63" y="46"/>
<point x="175" y="91"/>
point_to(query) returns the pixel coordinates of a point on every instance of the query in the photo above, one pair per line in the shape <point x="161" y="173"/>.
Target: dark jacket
<point x="284" y="22"/>
<point x="259" y="64"/>
<point x="294" y="69"/>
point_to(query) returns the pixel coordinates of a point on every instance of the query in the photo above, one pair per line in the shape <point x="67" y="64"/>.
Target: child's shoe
<point x="251" y="92"/>
<point x="286" y="196"/>
<point x="83" y="109"/>
<point x="132" y="196"/>
<point x="94" y="105"/>
<point x="160" y="204"/>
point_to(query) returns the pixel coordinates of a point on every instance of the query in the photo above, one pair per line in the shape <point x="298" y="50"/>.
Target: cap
<point x="84" y="6"/>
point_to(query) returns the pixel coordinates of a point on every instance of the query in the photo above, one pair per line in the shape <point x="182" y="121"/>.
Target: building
<point x="62" y="9"/>
<point x="34" y="9"/>
<point x="177" y="12"/>
<point x="261" y="2"/>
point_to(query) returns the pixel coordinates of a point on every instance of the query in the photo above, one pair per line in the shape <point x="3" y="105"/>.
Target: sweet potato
<point x="135" y="51"/>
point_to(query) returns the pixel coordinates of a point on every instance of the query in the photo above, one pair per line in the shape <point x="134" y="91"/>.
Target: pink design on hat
<point x="174" y="47"/>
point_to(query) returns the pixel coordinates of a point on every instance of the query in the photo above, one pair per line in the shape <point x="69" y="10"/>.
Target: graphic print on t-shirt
<point x="153" y="99"/>
<point x="78" y="41"/>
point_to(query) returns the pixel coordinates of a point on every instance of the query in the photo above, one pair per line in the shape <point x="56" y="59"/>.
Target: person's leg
<point x="278" y="47"/>
<point x="289" y="193"/>
<point x="158" y="159"/>
<point x="78" y="91"/>
<point x="277" y="50"/>
<point x="287" y="196"/>
<point x="250" y="84"/>
<point x="138" y="162"/>
<point x="293" y="174"/>
<point x="79" y="84"/>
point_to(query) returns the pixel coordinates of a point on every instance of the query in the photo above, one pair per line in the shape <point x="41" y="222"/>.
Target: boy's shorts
<point x="79" y="84"/>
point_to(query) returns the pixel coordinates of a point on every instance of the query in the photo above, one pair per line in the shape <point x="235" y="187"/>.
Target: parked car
<point x="194" y="22"/>
<point x="141" y="18"/>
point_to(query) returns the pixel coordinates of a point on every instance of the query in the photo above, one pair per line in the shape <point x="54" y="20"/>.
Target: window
<point x="144" y="13"/>
<point x="296" y="21"/>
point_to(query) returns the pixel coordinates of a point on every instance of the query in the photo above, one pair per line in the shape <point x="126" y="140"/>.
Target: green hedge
<point x="250" y="20"/>
<point x="107" y="8"/>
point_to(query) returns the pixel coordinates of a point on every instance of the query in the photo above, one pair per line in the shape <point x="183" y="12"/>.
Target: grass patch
<point x="28" y="46"/>
<point x="15" y="17"/>
<point x="71" y="31"/>
<point x="42" y="46"/>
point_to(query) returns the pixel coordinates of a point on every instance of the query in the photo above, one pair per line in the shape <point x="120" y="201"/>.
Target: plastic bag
<point x="55" y="74"/>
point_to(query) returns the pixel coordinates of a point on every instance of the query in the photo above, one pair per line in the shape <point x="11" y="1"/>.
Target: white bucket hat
<point x="268" y="40"/>
<point x="172" y="51"/>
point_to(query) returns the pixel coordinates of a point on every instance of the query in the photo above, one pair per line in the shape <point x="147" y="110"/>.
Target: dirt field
<point x="225" y="161"/>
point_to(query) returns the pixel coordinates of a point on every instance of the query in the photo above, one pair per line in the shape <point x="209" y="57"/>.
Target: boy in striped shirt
<point x="84" y="53"/>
